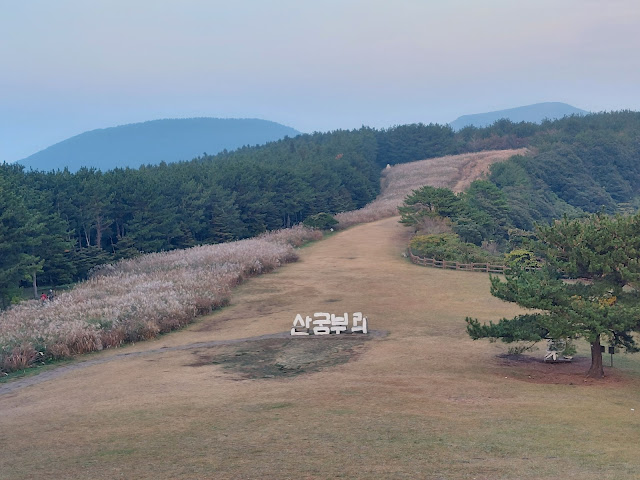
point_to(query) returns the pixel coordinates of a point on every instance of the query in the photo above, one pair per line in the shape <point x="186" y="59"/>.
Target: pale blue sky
<point x="67" y="66"/>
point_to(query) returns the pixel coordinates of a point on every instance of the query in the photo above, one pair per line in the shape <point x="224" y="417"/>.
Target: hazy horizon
<point x="71" y="66"/>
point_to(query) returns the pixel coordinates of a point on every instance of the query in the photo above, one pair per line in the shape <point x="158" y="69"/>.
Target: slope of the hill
<point x="456" y="172"/>
<point x="219" y="400"/>
<point x="535" y="113"/>
<point x="152" y="142"/>
<point x="580" y="164"/>
<point x="124" y="304"/>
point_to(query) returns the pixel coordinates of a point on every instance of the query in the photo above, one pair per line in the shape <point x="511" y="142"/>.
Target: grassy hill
<point x="531" y="113"/>
<point x="219" y="399"/>
<point x="232" y="396"/>
<point x="156" y="141"/>
<point x="452" y="171"/>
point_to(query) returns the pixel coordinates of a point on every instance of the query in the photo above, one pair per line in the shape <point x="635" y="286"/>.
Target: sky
<point x="68" y="66"/>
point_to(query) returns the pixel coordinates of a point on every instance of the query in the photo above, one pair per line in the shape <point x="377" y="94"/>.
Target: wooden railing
<point x="468" y="267"/>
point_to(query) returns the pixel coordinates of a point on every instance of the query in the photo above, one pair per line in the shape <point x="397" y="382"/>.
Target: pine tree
<point x="587" y="287"/>
<point x="20" y="230"/>
<point x="429" y="201"/>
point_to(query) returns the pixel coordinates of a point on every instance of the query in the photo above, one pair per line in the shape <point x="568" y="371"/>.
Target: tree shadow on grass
<point x="535" y="370"/>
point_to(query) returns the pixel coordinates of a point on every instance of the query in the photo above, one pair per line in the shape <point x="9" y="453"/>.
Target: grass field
<point x="422" y="401"/>
<point x="452" y="171"/>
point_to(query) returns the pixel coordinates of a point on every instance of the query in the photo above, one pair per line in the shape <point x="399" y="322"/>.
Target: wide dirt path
<point x="423" y="401"/>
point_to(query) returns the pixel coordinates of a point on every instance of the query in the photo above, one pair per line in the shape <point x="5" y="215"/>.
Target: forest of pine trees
<point x="55" y="226"/>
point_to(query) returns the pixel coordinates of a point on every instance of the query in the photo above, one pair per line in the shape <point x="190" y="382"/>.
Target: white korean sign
<point x="327" y="323"/>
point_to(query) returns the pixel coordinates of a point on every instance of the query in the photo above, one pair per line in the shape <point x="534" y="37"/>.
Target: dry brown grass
<point x="453" y="171"/>
<point x="423" y="402"/>
<point x="139" y="298"/>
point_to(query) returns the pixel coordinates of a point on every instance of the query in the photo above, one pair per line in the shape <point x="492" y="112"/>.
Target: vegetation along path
<point x="424" y="401"/>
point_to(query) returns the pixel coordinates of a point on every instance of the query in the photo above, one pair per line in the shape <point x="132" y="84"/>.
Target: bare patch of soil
<point x="535" y="370"/>
<point x="283" y="357"/>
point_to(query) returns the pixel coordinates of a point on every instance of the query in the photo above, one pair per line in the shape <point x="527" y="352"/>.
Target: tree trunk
<point x="98" y="226"/>
<point x="87" y="236"/>
<point x="35" y="286"/>
<point x="596" y="370"/>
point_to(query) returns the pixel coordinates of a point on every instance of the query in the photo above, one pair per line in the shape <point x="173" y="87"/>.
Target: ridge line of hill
<point x="154" y="141"/>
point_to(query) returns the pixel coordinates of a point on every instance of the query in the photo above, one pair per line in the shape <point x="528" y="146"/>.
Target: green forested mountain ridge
<point x="156" y="141"/>
<point x="535" y="113"/>
<point x="59" y="224"/>
<point x="580" y="164"/>
<point x="97" y="217"/>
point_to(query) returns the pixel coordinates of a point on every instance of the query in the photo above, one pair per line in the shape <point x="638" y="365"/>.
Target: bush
<point x="448" y="246"/>
<point x="321" y="221"/>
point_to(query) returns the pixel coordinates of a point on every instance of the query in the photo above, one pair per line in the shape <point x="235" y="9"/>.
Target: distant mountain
<point x="531" y="113"/>
<point x="152" y="142"/>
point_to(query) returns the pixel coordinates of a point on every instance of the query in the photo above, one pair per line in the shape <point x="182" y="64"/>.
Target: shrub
<point x="433" y="225"/>
<point x="19" y="357"/>
<point x="448" y="246"/>
<point x="321" y="221"/>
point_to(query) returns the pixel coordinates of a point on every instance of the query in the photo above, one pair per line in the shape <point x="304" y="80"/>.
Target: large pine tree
<point x="20" y="230"/>
<point x="587" y="287"/>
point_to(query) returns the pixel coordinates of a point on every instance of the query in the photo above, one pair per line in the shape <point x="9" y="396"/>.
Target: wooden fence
<point x="468" y="267"/>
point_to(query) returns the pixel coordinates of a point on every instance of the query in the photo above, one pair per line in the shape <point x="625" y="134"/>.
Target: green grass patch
<point x="33" y="370"/>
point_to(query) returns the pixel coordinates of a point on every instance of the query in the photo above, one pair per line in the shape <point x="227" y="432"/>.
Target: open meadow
<point x="418" y="399"/>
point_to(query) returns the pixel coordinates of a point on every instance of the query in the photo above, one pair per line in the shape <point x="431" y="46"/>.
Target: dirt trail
<point x="81" y="363"/>
<point x="423" y="402"/>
